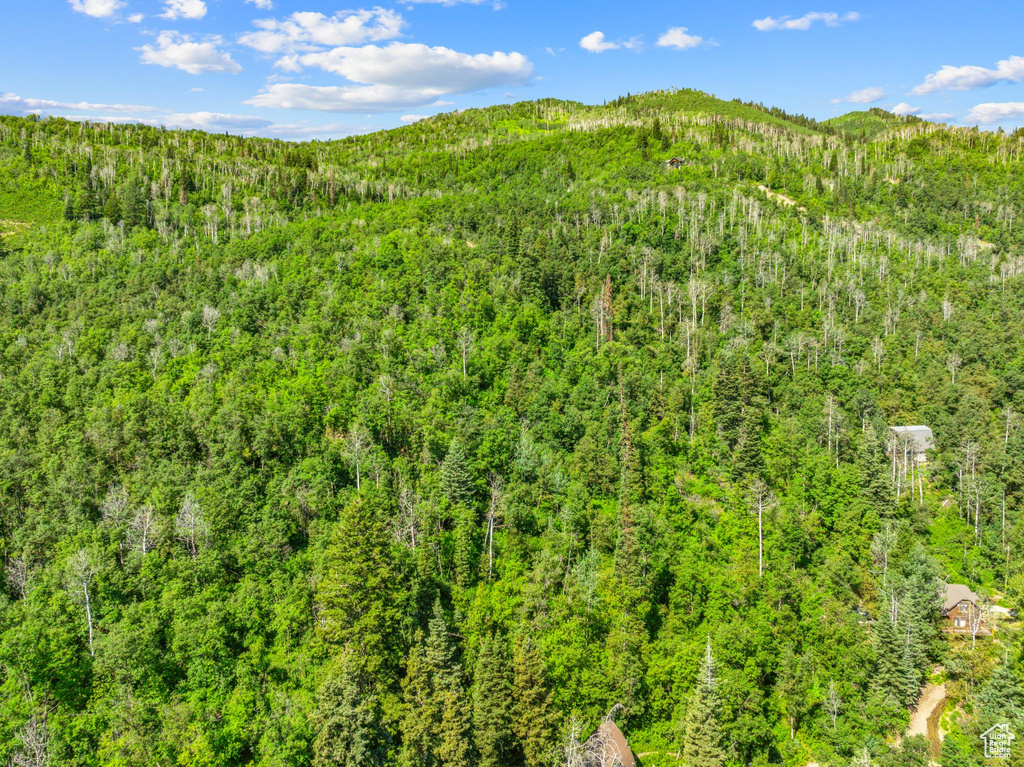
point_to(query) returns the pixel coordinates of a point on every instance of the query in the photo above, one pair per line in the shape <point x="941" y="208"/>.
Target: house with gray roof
<point x="917" y="440"/>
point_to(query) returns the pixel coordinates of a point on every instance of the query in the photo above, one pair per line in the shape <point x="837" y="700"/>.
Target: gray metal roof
<point x="919" y="436"/>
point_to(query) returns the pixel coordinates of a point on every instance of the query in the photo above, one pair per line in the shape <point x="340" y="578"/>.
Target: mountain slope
<point x="431" y="446"/>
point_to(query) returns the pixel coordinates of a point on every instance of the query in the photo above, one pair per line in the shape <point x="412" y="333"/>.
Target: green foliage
<point x="493" y="704"/>
<point x="300" y="442"/>
<point x="703" y="735"/>
<point x="535" y="719"/>
<point x="456" y="475"/>
<point x="349" y="721"/>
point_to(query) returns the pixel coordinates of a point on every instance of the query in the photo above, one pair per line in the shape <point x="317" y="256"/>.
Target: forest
<point x="438" y="446"/>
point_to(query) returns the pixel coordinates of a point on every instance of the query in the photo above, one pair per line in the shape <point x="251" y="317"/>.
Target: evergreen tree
<point x="703" y="746"/>
<point x="493" y="704"/>
<point x="956" y="751"/>
<point x="535" y="719"/>
<point x="792" y="686"/>
<point x="1002" y="696"/>
<point x="358" y="589"/>
<point x="454" y="738"/>
<point x="890" y="653"/>
<point x="437" y="729"/>
<point x="441" y="652"/>
<point x="422" y="721"/>
<point x="466" y="543"/>
<point x="457" y="480"/>
<point x="348" y="720"/>
<point x="455" y="743"/>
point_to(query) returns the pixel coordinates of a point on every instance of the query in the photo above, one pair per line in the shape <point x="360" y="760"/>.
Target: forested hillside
<point x="430" y="447"/>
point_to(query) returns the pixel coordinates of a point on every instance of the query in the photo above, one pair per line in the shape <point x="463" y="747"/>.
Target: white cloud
<point x="135" y="18"/>
<point x="413" y="118"/>
<point x="99" y="9"/>
<point x="298" y="131"/>
<point x="12" y="104"/>
<point x="263" y="5"/>
<point x="396" y="76"/>
<point x="903" y="108"/>
<point x="245" y="125"/>
<point x="310" y="30"/>
<point x="995" y="112"/>
<point x="769" y="24"/>
<point x="413" y="66"/>
<point x="950" y="78"/>
<point x="863" y="96"/>
<point x="678" y="37"/>
<point x="595" y="43"/>
<point x="181" y="52"/>
<point x="336" y="98"/>
<point x="497" y="4"/>
<point x="213" y="122"/>
<point x="938" y="116"/>
<point x="289" y="63"/>
<point x="184" y="9"/>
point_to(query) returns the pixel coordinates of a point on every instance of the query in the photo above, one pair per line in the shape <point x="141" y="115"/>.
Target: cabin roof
<point x="919" y="436"/>
<point x="957" y="593"/>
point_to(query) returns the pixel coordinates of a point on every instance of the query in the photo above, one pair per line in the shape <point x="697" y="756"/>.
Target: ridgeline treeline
<point x="429" y="447"/>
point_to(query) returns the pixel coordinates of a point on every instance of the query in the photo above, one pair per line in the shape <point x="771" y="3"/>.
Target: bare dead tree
<point x="17" y="576"/>
<point x="114" y="506"/>
<point x="141" y="530"/>
<point x="465" y="340"/>
<point x="155" y="356"/>
<point x="210" y="317"/>
<point x="33" y="750"/>
<point x="114" y="511"/>
<point x="573" y="749"/>
<point x="81" y="571"/>
<point x="761" y="499"/>
<point x="497" y="488"/>
<point x="862" y="758"/>
<point x="408" y="523"/>
<point x="190" y="526"/>
<point x="357" y="442"/>
<point x="881" y="549"/>
<point x="978" y="617"/>
<point x="833" y="703"/>
<point x="953" y="363"/>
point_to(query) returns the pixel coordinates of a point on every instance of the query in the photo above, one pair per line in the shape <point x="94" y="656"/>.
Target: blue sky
<point x="313" y="69"/>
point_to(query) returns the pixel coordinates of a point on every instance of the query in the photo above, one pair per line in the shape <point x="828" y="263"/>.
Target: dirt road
<point x="925" y="720"/>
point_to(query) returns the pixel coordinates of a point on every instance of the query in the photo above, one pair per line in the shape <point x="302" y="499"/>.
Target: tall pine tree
<point x="438" y="727"/>
<point x="703" y="746"/>
<point x="535" y="717"/>
<point x="457" y="480"/>
<point x="357" y="591"/>
<point x="422" y="719"/>
<point x="348" y="720"/>
<point x="493" y="704"/>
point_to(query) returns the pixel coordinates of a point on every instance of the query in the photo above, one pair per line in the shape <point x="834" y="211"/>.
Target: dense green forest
<point x="431" y="447"/>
